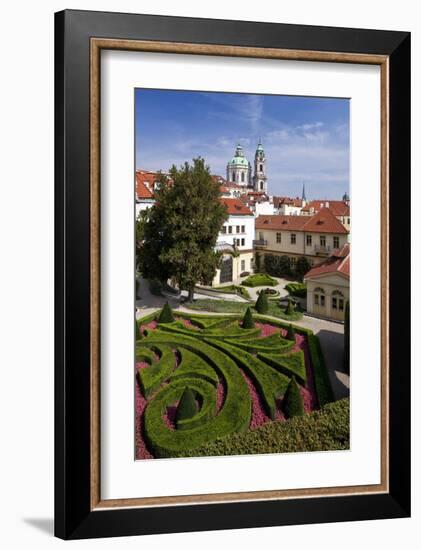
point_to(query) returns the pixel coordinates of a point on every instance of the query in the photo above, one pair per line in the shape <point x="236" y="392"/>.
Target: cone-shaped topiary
<point x="248" y="319"/>
<point x="291" y="333"/>
<point x="293" y="401"/>
<point x="187" y="406"/>
<point x="262" y="304"/>
<point x="290" y="308"/>
<point x="166" y="315"/>
<point x="138" y="334"/>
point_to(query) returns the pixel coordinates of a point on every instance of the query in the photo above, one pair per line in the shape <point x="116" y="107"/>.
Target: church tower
<point x="238" y="168"/>
<point x="260" y="178"/>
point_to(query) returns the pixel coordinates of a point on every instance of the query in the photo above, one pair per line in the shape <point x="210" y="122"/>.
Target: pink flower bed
<point x="258" y="417"/>
<point x="258" y="413"/>
<point x="266" y="329"/>
<point x="140" y="404"/>
<point x="151" y="326"/>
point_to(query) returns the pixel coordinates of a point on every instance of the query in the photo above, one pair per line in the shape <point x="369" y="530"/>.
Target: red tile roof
<point x="339" y="208"/>
<point x="236" y="207"/>
<point x="322" y="222"/>
<point x="144" y="184"/>
<point x="338" y="262"/>
<point x="279" y="201"/>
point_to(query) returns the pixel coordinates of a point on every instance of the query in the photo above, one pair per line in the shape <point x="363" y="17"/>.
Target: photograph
<point x="242" y="221"/>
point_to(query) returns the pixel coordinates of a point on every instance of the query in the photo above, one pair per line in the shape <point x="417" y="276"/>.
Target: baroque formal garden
<point x="232" y="384"/>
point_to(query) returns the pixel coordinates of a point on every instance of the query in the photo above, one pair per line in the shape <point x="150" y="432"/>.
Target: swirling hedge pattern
<point x="225" y="366"/>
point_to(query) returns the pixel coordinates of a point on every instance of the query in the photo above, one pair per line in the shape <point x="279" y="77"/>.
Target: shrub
<point x="321" y="376"/>
<point x="259" y="279"/>
<point x="291" y="364"/>
<point x="152" y="377"/>
<point x="248" y="319"/>
<point x="301" y="267"/>
<point x="293" y="400"/>
<point x="290" y="308"/>
<point x="166" y="315"/>
<point x="233" y="417"/>
<point x="269" y="383"/>
<point x="297" y="289"/>
<point x="187" y="406"/>
<point x="291" y="333"/>
<point x="257" y="262"/>
<point x="138" y="334"/>
<point x="323" y="430"/>
<point x="278" y="266"/>
<point x="245" y="274"/>
<point x="262" y="305"/>
<point x="269" y="291"/>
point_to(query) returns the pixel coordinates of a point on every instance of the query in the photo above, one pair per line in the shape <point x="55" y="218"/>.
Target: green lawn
<point x="226" y="306"/>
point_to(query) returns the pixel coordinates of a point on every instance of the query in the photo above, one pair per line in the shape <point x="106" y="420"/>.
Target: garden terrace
<point x="238" y="378"/>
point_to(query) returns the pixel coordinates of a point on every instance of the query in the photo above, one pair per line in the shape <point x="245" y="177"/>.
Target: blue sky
<point x="306" y="139"/>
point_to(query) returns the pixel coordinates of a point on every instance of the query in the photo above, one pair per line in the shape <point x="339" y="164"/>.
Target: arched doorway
<point x="338" y="305"/>
<point x="226" y="269"/>
<point x="319" y="306"/>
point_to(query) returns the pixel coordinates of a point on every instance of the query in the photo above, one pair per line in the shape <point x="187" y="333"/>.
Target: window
<point x="261" y="236"/>
<point x="335" y="242"/>
<point x="293" y="238"/>
<point x="238" y="228"/>
<point x="224" y="230"/>
<point x="230" y="229"/>
<point x="322" y="240"/>
<point x="309" y="240"/>
<point x="243" y="265"/>
<point x="243" y="229"/>
<point x="337" y="300"/>
<point x="233" y="176"/>
<point x="261" y="185"/>
<point x="319" y="297"/>
<point x="293" y="261"/>
<point x="242" y="176"/>
<point x="243" y="242"/>
<point x="238" y="242"/>
<point x="279" y="237"/>
<point x="349" y="221"/>
<point x="261" y="167"/>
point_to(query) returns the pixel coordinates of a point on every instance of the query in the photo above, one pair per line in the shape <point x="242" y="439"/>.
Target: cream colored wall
<point x="236" y="267"/>
<point x="300" y="248"/>
<point x="329" y="283"/>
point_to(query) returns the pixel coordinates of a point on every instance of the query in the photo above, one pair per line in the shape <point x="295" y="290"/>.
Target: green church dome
<point x="239" y="161"/>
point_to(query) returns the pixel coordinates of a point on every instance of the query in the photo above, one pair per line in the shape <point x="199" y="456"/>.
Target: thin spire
<point x="303" y="195"/>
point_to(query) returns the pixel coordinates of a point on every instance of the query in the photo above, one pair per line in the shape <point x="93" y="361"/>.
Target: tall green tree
<point x="177" y="236"/>
<point x="301" y="267"/>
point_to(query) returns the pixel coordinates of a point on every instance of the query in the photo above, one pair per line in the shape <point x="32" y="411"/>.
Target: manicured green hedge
<point x="215" y="333"/>
<point x="192" y="365"/>
<point x="248" y="322"/>
<point x="270" y="383"/>
<point x="152" y="377"/>
<point x="232" y="289"/>
<point x="293" y="401"/>
<point x="187" y="407"/>
<point x="166" y="315"/>
<point x="297" y="289"/>
<point x="259" y="279"/>
<point x="321" y="376"/>
<point x="323" y="430"/>
<point x="262" y="304"/>
<point x="263" y="345"/>
<point x="145" y="354"/>
<point x="290" y="364"/>
<point x="233" y="417"/>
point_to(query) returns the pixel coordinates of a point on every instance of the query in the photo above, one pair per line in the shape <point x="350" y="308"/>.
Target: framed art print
<point x="222" y="361"/>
